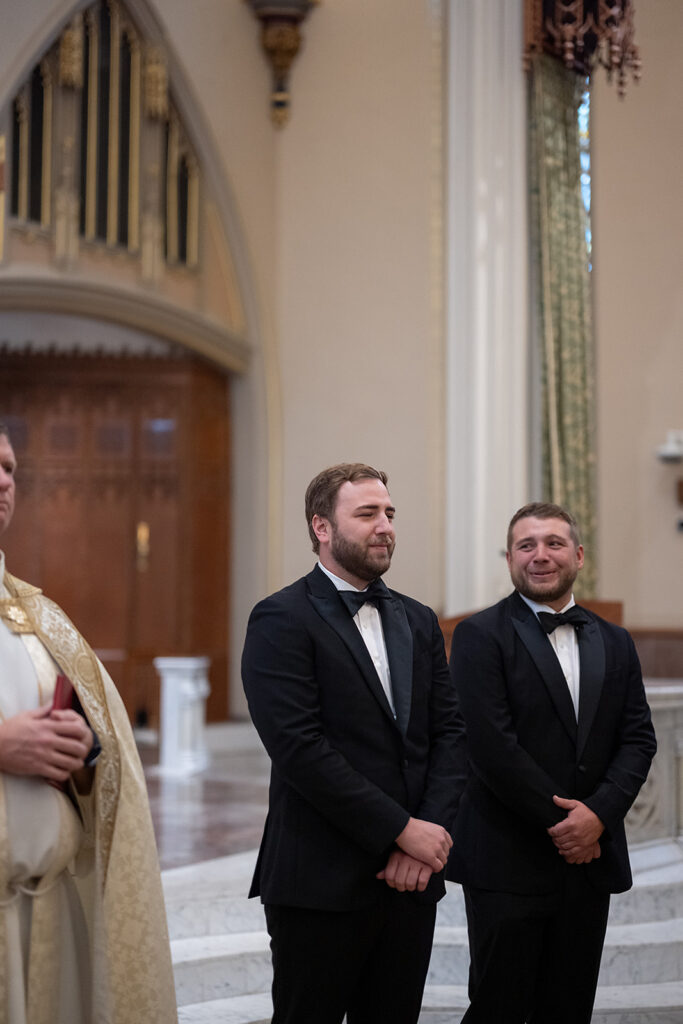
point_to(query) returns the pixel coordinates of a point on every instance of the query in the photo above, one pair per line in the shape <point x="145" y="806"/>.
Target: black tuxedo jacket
<point x="524" y="745"/>
<point x="346" y="775"/>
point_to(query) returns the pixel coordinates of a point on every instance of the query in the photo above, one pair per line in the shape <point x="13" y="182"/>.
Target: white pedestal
<point x="184" y="689"/>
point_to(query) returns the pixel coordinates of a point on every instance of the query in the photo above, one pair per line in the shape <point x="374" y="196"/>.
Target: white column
<point x="184" y="689"/>
<point x="487" y="419"/>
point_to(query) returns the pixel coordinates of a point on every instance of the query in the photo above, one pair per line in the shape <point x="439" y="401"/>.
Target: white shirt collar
<point x="536" y="607"/>
<point x="339" y="583"/>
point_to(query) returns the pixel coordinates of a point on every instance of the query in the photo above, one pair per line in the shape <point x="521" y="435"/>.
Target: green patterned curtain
<point x="559" y="247"/>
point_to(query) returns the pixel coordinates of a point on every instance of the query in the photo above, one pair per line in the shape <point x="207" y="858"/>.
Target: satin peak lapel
<point x="329" y="606"/>
<point x="545" y="659"/>
<point x="399" y="643"/>
<point x="592" y="662"/>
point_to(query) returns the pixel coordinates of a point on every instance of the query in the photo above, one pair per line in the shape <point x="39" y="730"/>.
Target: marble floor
<point x="216" y="812"/>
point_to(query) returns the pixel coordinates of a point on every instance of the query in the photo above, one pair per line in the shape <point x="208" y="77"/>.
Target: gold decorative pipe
<point x="91" y="140"/>
<point x="192" y="212"/>
<point x="172" y="192"/>
<point x="23" y="115"/>
<point x="114" y="88"/>
<point x="46" y="171"/>
<point x="134" y="159"/>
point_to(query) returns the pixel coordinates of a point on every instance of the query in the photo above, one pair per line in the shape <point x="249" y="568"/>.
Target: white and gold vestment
<point x="83" y="934"/>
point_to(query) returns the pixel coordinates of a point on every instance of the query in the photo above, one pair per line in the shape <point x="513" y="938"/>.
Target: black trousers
<point x="369" y="964"/>
<point x="535" y="958"/>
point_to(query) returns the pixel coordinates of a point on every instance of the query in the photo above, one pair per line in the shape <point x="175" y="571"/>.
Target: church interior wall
<point x="637" y="232"/>
<point x="340" y="217"/>
<point x="358" y="313"/>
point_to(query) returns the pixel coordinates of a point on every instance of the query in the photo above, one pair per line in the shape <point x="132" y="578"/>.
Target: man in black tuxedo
<point x="559" y="741"/>
<point x="348" y="686"/>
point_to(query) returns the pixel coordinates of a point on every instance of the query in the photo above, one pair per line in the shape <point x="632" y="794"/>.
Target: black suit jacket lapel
<point x="592" y="661"/>
<point x="541" y="650"/>
<point x="399" y="642"/>
<point x="325" y="599"/>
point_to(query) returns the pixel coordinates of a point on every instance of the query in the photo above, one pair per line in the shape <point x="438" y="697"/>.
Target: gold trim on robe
<point x="117" y="870"/>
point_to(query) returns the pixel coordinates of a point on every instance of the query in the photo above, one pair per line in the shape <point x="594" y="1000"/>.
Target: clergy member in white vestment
<point x="83" y="935"/>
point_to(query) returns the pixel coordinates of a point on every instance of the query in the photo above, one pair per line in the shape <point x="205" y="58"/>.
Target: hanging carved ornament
<point x="281" y="40"/>
<point x="71" y="55"/>
<point x="585" y="34"/>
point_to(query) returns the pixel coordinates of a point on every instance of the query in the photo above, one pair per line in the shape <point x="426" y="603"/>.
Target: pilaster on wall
<point x="487" y="421"/>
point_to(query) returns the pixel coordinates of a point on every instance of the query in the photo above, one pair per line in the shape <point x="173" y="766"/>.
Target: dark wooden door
<point x="122" y="508"/>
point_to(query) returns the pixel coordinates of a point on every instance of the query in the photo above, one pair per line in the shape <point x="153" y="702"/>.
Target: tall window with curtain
<point x="560" y="232"/>
<point x="565" y="43"/>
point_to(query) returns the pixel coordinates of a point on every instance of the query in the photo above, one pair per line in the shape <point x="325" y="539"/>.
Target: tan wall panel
<point x="638" y="233"/>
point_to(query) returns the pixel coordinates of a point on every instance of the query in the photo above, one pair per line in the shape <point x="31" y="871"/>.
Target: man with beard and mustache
<point x="348" y="686"/>
<point x="559" y="741"/>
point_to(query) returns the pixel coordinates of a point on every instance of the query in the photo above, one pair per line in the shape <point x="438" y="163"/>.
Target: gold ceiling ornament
<point x="584" y="34"/>
<point x="281" y="41"/>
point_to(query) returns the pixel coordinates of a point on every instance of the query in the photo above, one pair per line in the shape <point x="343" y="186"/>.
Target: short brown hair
<point x="544" y="510"/>
<point x="321" y="493"/>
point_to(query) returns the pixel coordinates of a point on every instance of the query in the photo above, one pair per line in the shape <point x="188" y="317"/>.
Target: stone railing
<point x="658" y="810"/>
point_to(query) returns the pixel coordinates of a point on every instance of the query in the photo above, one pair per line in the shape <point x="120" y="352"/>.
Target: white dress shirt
<point x="369" y="623"/>
<point x="565" y="643"/>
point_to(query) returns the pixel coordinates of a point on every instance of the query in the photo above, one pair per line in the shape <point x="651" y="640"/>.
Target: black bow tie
<point x="355" y="599"/>
<point x="573" y="617"/>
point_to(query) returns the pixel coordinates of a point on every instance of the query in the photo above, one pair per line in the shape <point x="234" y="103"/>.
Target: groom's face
<point x="358" y="541"/>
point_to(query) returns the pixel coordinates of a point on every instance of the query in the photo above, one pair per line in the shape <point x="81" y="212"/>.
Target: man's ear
<point x="321" y="528"/>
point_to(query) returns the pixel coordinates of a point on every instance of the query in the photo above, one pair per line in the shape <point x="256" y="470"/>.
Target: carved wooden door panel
<point x="122" y="508"/>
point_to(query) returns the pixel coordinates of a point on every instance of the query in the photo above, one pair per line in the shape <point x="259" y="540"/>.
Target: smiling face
<point x="8" y="465"/>
<point x="544" y="560"/>
<point x="357" y="543"/>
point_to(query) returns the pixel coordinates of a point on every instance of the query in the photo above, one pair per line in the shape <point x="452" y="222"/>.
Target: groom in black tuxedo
<point x="560" y="741"/>
<point x="348" y="686"/>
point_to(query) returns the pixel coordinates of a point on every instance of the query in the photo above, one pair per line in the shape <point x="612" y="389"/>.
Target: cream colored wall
<point x="638" y="239"/>
<point x="359" y="259"/>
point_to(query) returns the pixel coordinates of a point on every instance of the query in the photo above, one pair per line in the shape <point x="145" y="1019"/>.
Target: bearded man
<point x="83" y="937"/>
<point x="348" y="687"/>
<point x="559" y="741"/>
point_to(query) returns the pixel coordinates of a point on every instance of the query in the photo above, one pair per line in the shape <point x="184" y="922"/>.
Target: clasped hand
<point x="576" y="837"/>
<point x="53" y="744"/>
<point x="423" y="850"/>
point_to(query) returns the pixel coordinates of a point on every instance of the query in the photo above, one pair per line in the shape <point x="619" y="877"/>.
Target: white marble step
<point x="197" y="908"/>
<point x="445" y="1004"/>
<point x="210" y="898"/>
<point x="633" y="954"/>
<point x="256" y="1009"/>
<point x="219" y="966"/>
<point x="621" y="1004"/>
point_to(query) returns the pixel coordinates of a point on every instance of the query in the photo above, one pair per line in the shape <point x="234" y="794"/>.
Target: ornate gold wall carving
<point x="71" y="55"/>
<point x="155" y="84"/>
